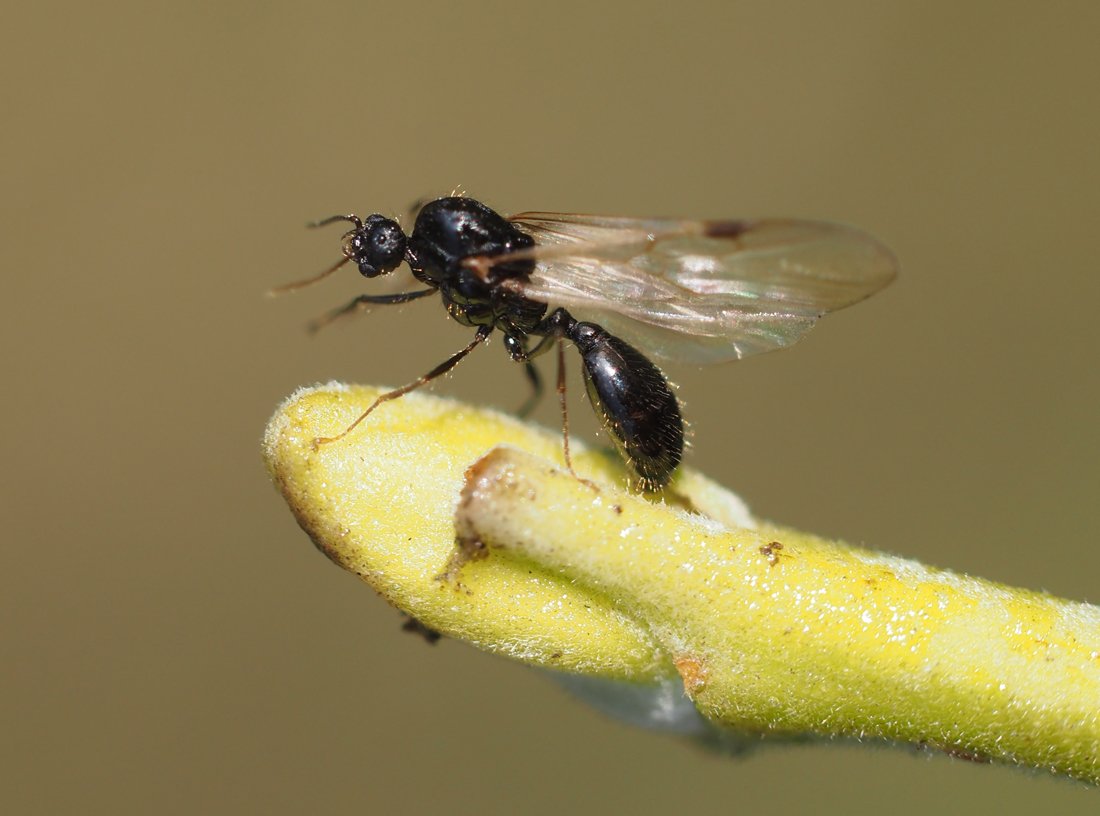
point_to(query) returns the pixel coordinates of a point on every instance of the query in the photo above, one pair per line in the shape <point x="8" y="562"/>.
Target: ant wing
<point x="700" y="291"/>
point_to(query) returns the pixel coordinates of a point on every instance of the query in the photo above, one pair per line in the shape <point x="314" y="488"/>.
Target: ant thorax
<point x="448" y="233"/>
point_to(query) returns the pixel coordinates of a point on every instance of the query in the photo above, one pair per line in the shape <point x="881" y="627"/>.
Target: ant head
<point x="376" y="246"/>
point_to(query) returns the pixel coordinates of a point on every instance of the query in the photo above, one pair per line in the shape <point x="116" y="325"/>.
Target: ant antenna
<point x="302" y="284"/>
<point x="332" y="219"/>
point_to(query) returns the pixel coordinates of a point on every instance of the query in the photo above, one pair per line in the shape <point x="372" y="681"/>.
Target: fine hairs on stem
<point x="768" y="631"/>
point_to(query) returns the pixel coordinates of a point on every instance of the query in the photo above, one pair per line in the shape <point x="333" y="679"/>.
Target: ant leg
<point x="565" y="412"/>
<point x="536" y="390"/>
<point x="362" y="302"/>
<point x="565" y="419"/>
<point x="557" y="326"/>
<point x="482" y="333"/>
<point x="516" y="346"/>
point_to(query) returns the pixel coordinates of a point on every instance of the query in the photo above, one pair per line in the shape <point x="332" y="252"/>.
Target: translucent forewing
<point x="702" y="291"/>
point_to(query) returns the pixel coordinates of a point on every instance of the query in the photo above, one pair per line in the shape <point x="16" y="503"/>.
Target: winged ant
<point x="694" y="291"/>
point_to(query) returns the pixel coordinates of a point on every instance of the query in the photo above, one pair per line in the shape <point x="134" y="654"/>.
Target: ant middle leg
<point x="516" y="346"/>
<point x="535" y="380"/>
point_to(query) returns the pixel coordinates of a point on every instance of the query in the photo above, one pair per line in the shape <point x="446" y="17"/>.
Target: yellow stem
<point x="772" y="631"/>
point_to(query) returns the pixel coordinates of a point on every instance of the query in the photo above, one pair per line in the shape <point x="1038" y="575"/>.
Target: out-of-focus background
<point x="173" y="643"/>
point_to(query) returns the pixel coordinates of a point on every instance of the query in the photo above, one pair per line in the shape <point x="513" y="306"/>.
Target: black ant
<point x="701" y="291"/>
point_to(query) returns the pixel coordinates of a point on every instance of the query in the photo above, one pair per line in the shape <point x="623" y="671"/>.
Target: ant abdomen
<point x="633" y="401"/>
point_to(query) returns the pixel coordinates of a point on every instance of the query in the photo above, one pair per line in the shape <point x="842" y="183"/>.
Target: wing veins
<point x="698" y="290"/>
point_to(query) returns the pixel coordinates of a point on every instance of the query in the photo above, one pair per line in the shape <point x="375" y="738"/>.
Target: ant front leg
<point x="366" y="301"/>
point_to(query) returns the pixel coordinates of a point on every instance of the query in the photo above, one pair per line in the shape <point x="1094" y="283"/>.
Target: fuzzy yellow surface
<point x="778" y="632"/>
<point x="381" y="504"/>
<point x="772" y="631"/>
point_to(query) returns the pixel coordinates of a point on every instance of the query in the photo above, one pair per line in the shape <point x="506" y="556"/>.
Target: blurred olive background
<point x="172" y="641"/>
